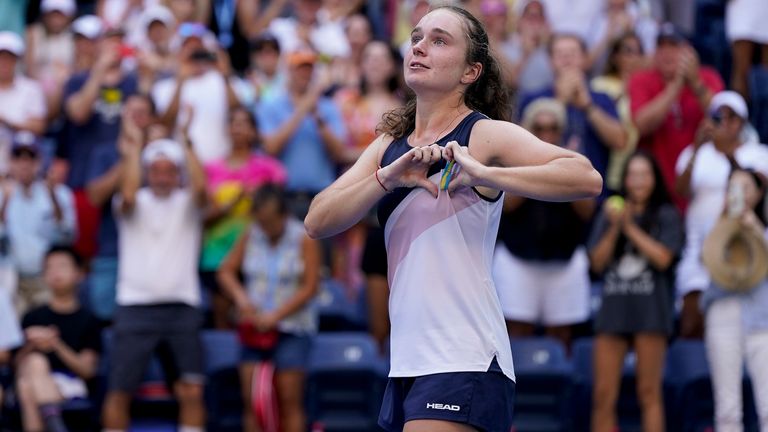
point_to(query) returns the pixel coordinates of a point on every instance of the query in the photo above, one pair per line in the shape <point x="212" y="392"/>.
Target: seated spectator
<point x="702" y="177"/>
<point x="593" y="126"/>
<point x="634" y="244"/>
<point x="103" y="182"/>
<point x="624" y="59"/>
<point x="540" y="265"/>
<point x="305" y="131"/>
<point x="669" y="100"/>
<point x="10" y="331"/>
<point x="36" y="214"/>
<point x="93" y="101"/>
<point x="231" y="183"/>
<point x="158" y="293"/>
<point x="201" y="86"/>
<point x="61" y="348"/>
<point x="281" y="268"/>
<point x="51" y="50"/>
<point x="736" y="324"/>
<point x="154" y="56"/>
<point x="22" y="101"/>
<point x="265" y="75"/>
<point x="531" y="69"/>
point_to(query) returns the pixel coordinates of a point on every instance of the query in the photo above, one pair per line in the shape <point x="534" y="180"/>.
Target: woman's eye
<point x="439" y="42"/>
<point x="415" y="39"/>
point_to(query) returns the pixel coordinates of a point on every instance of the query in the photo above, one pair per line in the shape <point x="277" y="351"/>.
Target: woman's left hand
<point x="470" y="172"/>
<point x="266" y="321"/>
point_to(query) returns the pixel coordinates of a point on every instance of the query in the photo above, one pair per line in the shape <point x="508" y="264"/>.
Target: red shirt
<point x="679" y="127"/>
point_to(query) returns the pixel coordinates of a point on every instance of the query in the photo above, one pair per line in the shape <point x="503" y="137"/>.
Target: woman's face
<point x="629" y="58"/>
<point x="241" y="129"/>
<point x="546" y="128"/>
<point x="270" y="219"/>
<point x="55" y="21"/>
<point x="437" y="58"/>
<point x="746" y="182"/>
<point x="639" y="180"/>
<point x="377" y="64"/>
<point x="358" y="32"/>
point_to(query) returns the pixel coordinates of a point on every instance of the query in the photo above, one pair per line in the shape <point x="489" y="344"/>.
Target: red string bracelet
<point x="376" y="174"/>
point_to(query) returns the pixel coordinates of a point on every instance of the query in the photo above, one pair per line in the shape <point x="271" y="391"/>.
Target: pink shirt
<point x="258" y="170"/>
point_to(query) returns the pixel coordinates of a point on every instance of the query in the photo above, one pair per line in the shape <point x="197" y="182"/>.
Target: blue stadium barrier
<point x="543" y="388"/>
<point x="345" y="382"/>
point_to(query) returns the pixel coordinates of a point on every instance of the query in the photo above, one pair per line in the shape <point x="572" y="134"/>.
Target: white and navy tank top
<point x="443" y="305"/>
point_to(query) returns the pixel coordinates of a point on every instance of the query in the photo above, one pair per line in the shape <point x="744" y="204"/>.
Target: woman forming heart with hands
<point x="448" y="337"/>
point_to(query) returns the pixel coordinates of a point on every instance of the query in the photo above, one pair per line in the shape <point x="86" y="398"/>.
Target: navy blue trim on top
<point x="399" y="147"/>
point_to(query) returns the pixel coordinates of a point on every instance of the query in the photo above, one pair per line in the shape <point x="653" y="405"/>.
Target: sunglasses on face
<point x="718" y="118"/>
<point x="545" y="128"/>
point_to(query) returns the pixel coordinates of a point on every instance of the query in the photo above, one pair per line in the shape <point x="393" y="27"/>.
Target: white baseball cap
<point x="158" y="13"/>
<point x="11" y="42"/>
<point x="67" y="7"/>
<point x="88" y="26"/>
<point x="163" y="149"/>
<point x="732" y="100"/>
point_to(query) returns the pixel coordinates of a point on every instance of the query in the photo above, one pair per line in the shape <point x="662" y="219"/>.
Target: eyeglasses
<point x="718" y="117"/>
<point x="629" y="50"/>
<point x="545" y="128"/>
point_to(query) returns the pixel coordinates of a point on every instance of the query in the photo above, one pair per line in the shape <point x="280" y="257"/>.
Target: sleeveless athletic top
<point x="443" y="305"/>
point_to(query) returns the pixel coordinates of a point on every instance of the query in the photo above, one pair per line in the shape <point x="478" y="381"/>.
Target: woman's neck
<point x="434" y="116"/>
<point x="239" y="153"/>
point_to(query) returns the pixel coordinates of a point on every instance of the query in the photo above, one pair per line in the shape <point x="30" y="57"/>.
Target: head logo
<point x="439" y="406"/>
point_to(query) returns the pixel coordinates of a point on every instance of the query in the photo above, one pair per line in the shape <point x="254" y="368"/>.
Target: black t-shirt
<point x="542" y="231"/>
<point x="80" y="330"/>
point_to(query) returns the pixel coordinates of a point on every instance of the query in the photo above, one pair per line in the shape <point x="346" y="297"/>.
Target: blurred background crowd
<point x="157" y="158"/>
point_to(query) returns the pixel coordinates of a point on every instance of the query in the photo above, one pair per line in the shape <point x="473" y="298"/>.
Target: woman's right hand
<point x="614" y="214"/>
<point x="410" y="169"/>
<point x="247" y="313"/>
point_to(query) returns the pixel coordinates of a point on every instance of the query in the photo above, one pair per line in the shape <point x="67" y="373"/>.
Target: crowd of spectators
<point x="157" y="158"/>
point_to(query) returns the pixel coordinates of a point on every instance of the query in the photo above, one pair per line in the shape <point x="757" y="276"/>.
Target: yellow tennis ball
<point x="616" y="202"/>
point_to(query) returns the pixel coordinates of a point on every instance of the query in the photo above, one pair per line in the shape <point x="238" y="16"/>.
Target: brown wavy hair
<point x="487" y="94"/>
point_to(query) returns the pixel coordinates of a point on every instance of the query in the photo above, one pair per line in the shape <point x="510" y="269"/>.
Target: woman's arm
<point x="227" y="275"/>
<point x="659" y="255"/>
<point x="601" y="254"/>
<point x="84" y="364"/>
<point x="349" y="198"/>
<point x="504" y="156"/>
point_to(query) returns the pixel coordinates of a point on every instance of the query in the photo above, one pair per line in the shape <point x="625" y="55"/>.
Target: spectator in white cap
<point x="154" y="43"/>
<point x="36" y="214"/>
<point x="87" y="31"/>
<point x="702" y="176"/>
<point x="158" y="293"/>
<point x="22" y="103"/>
<point x="202" y="83"/>
<point x="51" y="50"/>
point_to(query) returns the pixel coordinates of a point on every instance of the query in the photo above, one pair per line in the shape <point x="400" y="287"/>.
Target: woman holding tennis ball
<point x="634" y="244"/>
<point x="451" y="362"/>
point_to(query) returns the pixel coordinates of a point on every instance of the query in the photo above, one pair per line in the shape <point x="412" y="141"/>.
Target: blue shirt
<point x="579" y="127"/>
<point x="32" y="227"/>
<point x="102" y="160"/>
<point x="306" y="159"/>
<point x="102" y="129"/>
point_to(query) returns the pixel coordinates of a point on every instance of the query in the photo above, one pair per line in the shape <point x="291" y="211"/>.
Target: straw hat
<point x="736" y="256"/>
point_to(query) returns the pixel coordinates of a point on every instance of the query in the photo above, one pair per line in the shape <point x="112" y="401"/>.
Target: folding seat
<point x="543" y="389"/>
<point x="345" y="382"/>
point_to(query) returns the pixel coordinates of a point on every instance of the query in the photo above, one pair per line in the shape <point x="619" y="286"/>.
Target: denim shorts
<point x="291" y="352"/>
<point x="482" y="400"/>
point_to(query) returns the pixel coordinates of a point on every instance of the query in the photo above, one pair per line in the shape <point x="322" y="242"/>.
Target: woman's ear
<point x="472" y="73"/>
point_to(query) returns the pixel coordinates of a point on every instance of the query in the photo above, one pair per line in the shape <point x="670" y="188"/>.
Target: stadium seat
<point x="345" y="382"/>
<point x="222" y="392"/>
<point x="758" y="89"/>
<point x="542" y="393"/>
<point x="335" y="310"/>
